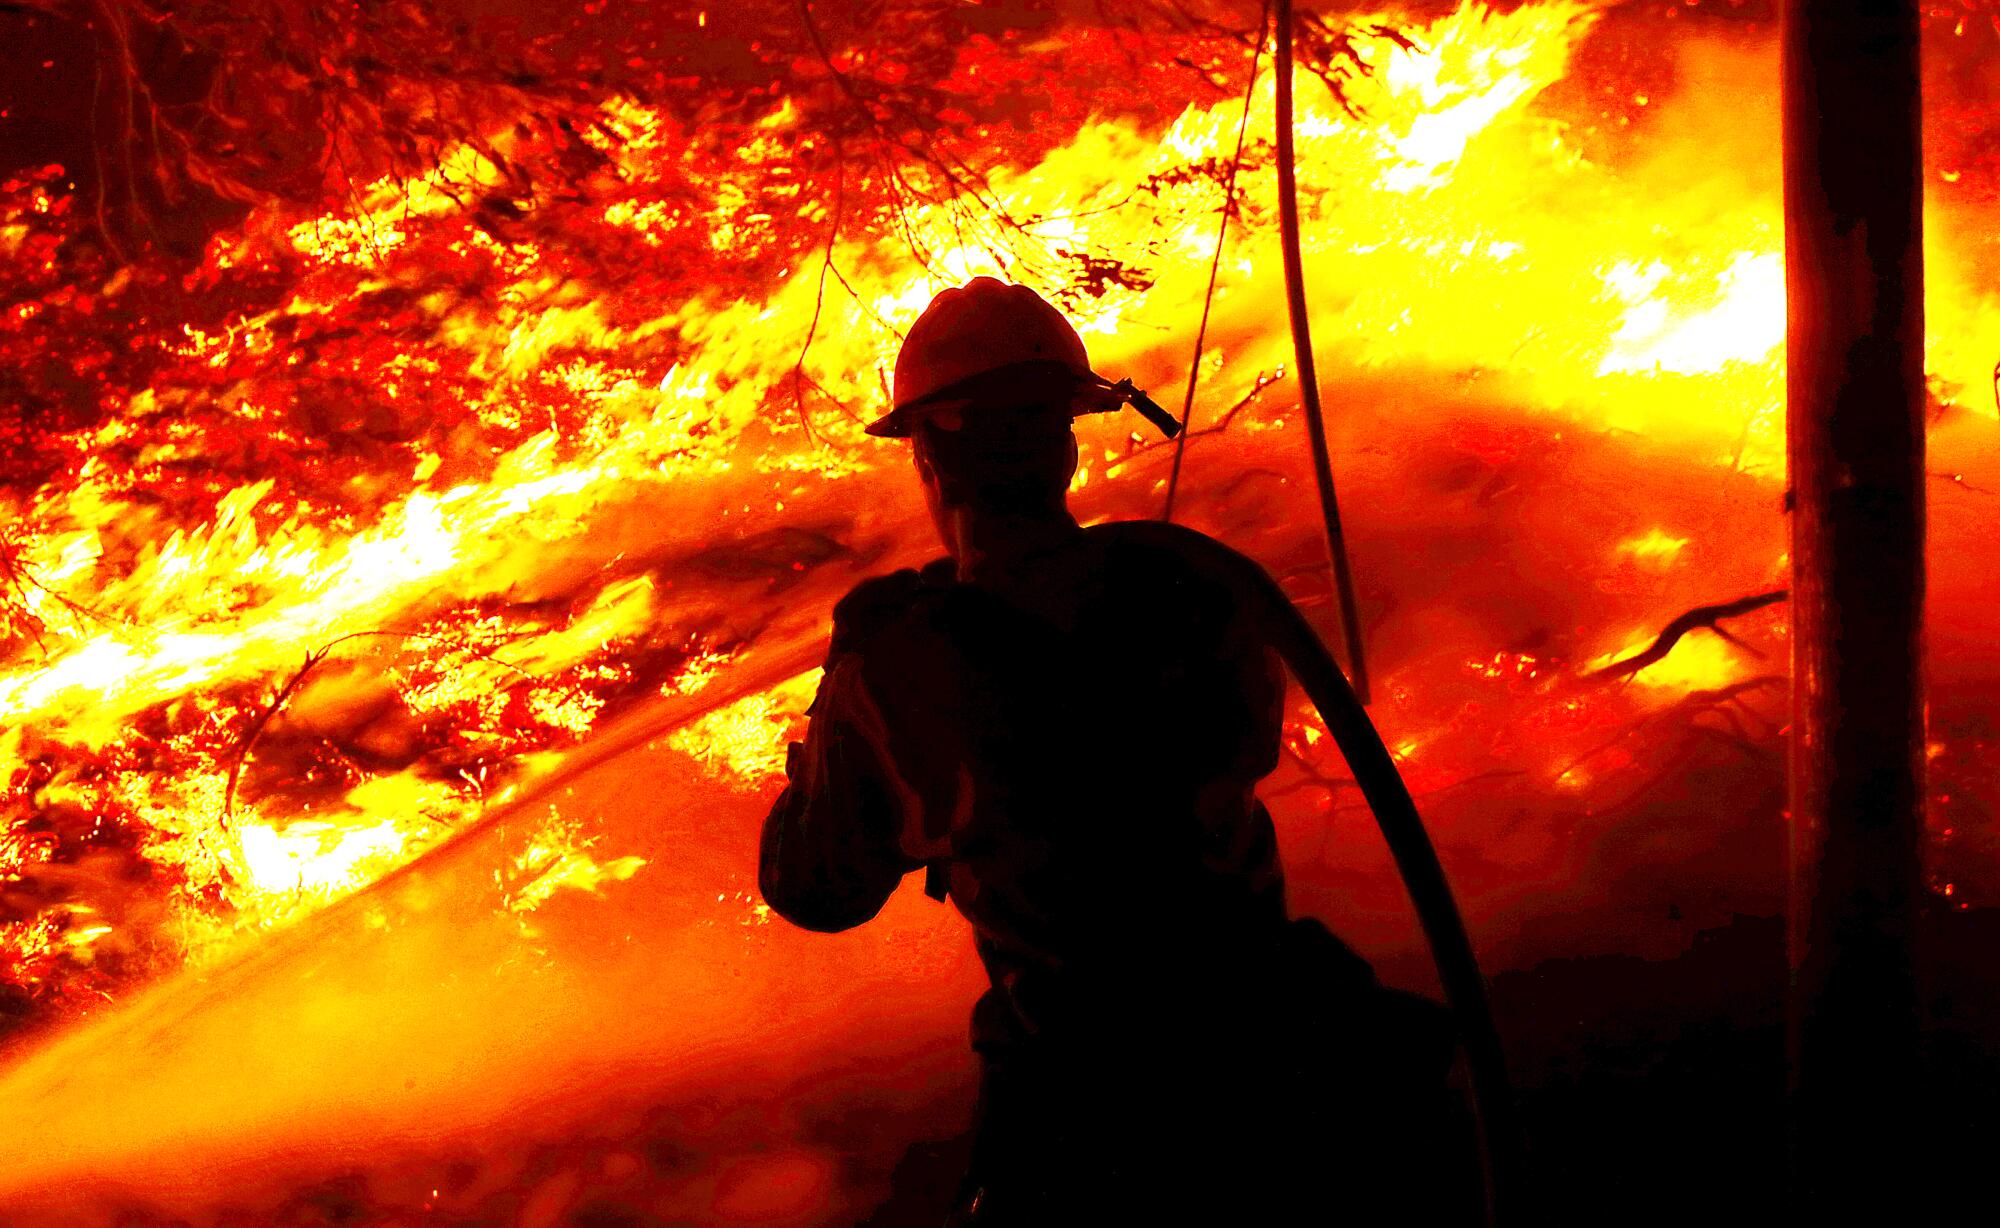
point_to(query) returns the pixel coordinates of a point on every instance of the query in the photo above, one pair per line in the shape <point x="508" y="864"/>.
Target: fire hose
<point x="1342" y="711"/>
<point x="1341" y="704"/>
<point x="1416" y="859"/>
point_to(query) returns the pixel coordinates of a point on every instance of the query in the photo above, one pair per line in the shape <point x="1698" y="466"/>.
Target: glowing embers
<point x="1655" y="548"/>
<point x="1519" y="669"/>
<point x="558" y="857"/>
<point x="744" y="742"/>
<point x="390" y="210"/>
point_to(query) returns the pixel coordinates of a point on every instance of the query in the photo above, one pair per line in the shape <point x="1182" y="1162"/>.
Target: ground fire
<point x="435" y="445"/>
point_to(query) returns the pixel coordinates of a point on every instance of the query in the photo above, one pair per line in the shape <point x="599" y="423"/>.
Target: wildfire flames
<point x="426" y="489"/>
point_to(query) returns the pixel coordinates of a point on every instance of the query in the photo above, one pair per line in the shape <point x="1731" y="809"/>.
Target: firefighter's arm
<point x="830" y="854"/>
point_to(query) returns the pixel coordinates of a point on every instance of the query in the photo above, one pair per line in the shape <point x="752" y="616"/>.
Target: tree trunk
<point x="1854" y="273"/>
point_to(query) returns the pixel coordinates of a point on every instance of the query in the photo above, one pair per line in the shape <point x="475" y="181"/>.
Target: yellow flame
<point x="1655" y="546"/>
<point x="316" y="856"/>
<point x="1698" y="662"/>
<point x="1743" y="322"/>
<point x="1453" y="226"/>
<point x="744" y="742"/>
<point x="557" y="858"/>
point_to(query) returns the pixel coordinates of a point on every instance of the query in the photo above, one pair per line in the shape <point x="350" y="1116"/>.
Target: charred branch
<point x="1701" y="617"/>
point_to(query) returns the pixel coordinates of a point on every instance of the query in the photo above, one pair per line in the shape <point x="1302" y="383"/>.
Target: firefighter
<point x="1062" y="728"/>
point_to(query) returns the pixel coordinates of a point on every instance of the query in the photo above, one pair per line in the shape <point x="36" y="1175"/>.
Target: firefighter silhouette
<point x="1064" y="727"/>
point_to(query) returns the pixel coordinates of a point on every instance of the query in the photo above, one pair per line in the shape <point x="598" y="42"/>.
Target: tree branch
<point x="256" y="730"/>
<point x="1701" y="616"/>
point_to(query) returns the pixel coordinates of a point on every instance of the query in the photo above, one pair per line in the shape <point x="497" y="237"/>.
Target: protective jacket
<point x="1073" y="749"/>
<point x="1075" y="753"/>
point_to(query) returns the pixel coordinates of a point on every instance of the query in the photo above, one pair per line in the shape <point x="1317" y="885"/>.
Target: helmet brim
<point x="1026" y="383"/>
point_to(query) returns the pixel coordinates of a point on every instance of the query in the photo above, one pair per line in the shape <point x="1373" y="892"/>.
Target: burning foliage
<point x="304" y="561"/>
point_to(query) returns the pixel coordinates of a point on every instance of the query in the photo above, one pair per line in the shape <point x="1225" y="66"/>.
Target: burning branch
<point x="799" y="376"/>
<point x="1708" y="616"/>
<point x="263" y="719"/>
<point x="1263" y="381"/>
<point x="20" y="577"/>
<point x="960" y="178"/>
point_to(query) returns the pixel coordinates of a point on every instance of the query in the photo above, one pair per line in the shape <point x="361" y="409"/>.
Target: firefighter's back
<point x="1086" y="734"/>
